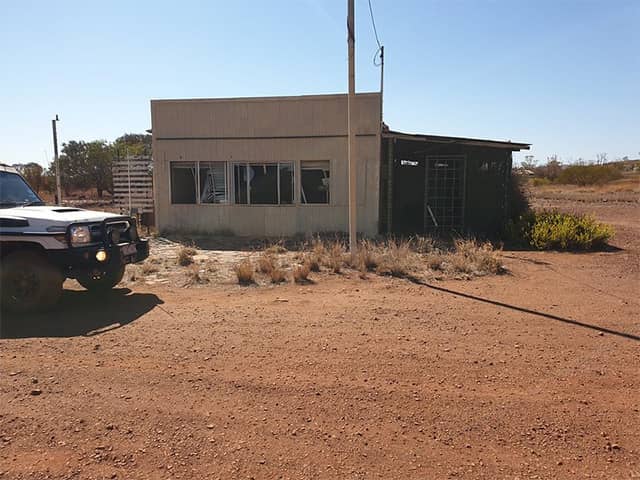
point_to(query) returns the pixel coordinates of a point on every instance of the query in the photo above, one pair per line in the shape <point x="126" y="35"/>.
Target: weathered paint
<point x="285" y="129"/>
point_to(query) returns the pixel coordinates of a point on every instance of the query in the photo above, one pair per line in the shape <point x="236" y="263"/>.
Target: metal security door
<point x="444" y="193"/>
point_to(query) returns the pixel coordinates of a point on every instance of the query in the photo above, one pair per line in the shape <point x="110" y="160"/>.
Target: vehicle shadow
<point x="80" y="313"/>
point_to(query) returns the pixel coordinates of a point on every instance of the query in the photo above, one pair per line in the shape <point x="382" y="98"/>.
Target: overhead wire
<point x="375" y="32"/>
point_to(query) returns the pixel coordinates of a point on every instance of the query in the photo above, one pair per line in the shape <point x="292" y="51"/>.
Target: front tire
<point x="29" y="282"/>
<point x="103" y="281"/>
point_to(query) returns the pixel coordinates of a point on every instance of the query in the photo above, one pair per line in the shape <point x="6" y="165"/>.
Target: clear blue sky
<point x="562" y="75"/>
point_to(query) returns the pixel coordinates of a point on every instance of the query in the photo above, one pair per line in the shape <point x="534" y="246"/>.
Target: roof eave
<point x="476" y="142"/>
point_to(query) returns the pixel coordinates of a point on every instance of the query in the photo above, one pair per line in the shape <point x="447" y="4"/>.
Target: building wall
<point x="487" y="175"/>
<point x="291" y="129"/>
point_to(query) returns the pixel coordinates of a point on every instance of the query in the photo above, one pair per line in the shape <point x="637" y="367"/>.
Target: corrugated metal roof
<point x="513" y="146"/>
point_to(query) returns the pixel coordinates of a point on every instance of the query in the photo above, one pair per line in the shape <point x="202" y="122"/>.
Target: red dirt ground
<point x="533" y="374"/>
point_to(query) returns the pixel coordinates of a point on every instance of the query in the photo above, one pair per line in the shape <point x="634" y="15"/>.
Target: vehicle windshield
<point x="15" y="191"/>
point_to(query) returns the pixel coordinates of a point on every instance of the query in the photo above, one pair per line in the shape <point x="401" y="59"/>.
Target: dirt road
<point x="534" y="374"/>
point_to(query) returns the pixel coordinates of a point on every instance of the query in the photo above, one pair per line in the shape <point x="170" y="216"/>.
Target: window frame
<point x="299" y="189"/>
<point x="195" y="187"/>
<point x="277" y="164"/>
<point x="229" y="171"/>
<point x="226" y="184"/>
<point x="197" y="164"/>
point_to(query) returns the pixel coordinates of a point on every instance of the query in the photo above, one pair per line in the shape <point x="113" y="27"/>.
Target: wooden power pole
<point x="56" y="160"/>
<point x="351" y="40"/>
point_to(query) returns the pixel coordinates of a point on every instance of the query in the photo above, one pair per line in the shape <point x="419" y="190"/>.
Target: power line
<point x="373" y="23"/>
<point x="375" y="32"/>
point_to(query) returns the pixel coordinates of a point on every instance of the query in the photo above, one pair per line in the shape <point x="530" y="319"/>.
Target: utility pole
<point x="56" y="160"/>
<point x="351" y="40"/>
<point x="381" y="83"/>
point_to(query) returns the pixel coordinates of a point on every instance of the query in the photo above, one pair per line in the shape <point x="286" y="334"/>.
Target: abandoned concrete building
<point x="277" y="166"/>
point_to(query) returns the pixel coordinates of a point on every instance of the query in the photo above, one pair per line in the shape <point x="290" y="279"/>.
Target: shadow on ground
<point x="80" y="313"/>
<point x="530" y="311"/>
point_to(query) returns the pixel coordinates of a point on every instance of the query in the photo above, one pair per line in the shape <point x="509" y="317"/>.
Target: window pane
<point x="213" y="182"/>
<point x="286" y="182"/>
<point x="240" y="183"/>
<point x="314" y="177"/>
<point x="263" y="181"/>
<point x="183" y="182"/>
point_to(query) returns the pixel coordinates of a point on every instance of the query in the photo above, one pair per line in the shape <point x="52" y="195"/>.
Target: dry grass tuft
<point x="266" y="263"/>
<point x="472" y="257"/>
<point x="335" y="256"/>
<point x="435" y="261"/>
<point x="367" y="257"/>
<point x="149" y="267"/>
<point x="195" y="276"/>
<point x="424" y="244"/>
<point x="211" y="266"/>
<point x="313" y="261"/>
<point x="276" y="248"/>
<point x="301" y="273"/>
<point x="278" y="275"/>
<point x="397" y="259"/>
<point x="185" y="256"/>
<point x="244" y="272"/>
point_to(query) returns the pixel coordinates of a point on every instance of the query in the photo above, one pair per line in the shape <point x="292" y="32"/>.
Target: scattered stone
<point x="36" y="391"/>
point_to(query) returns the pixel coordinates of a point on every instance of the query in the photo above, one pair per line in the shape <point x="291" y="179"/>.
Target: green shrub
<point x="519" y="201"/>
<point x="589" y="174"/>
<point x="552" y="230"/>
<point x="539" y="182"/>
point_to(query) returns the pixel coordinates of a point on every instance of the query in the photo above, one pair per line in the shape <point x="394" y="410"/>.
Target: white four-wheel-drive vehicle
<point x="42" y="245"/>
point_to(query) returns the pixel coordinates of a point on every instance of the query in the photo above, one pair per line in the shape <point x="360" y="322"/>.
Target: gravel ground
<point x="534" y="374"/>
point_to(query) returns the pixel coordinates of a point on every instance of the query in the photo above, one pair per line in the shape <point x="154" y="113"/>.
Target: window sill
<point x="285" y="205"/>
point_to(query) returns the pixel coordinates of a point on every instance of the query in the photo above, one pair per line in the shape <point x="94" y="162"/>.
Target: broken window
<point x="183" y="182"/>
<point x="314" y="182"/>
<point x="286" y="182"/>
<point x="213" y="182"/>
<point x="263" y="183"/>
<point x="240" y="183"/>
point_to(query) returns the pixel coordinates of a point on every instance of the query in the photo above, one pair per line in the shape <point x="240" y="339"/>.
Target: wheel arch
<point x="9" y="246"/>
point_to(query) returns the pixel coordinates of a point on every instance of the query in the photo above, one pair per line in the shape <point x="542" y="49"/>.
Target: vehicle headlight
<point x="80" y="235"/>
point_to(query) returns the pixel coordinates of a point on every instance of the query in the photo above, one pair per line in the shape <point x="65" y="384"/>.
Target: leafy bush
<point x="589" y="175"/>
<point x="547" y="230"/>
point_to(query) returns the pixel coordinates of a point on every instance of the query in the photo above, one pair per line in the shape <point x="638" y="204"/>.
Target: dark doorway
<point x="408" y="196"/>
<point x="444" y="200"/>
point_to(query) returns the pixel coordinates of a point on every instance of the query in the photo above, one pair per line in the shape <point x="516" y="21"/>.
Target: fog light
<point x="101" y="255"/>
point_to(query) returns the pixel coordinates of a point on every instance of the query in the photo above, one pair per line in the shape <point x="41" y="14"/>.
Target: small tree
<point x="32" y="173"/>
<point x="99" y="163"/>
<point x="529" y="162"/>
